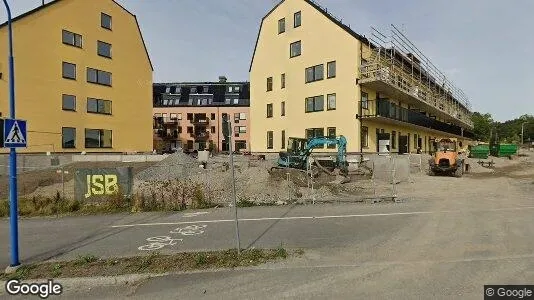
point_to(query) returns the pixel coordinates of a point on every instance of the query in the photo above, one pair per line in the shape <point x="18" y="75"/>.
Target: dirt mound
<point x="176" y="165"/>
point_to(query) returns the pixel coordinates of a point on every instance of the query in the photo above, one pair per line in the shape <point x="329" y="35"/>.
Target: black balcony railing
<point x="160" y="121"/>
<point x="167" y="135"/>
<point x="200" y="121"/>
<point x="200" y="135"/>
<point x="384" y="108"/>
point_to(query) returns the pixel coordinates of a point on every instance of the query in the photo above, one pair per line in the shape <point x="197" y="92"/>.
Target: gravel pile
<point x="176" y="165"/>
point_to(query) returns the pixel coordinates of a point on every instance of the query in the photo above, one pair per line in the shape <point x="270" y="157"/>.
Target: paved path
<point x="428" y="247"/>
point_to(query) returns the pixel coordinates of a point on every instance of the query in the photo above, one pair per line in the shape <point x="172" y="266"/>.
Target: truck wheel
<point x="431" y="172"/>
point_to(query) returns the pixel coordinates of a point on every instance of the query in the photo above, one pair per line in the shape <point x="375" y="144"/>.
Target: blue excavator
<point x="299" y="151"/>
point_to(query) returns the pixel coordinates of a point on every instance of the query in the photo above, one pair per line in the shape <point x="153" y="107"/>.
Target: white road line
<point x="325" y="217"/>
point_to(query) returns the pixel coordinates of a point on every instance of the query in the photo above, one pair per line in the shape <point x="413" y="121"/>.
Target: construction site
<point x="183" y="178"/>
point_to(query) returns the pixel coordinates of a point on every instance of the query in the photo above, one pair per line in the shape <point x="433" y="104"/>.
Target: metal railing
<point x="384" y="108"/>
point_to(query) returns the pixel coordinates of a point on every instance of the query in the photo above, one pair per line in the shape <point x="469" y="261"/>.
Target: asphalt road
<point x="427" y="247"/>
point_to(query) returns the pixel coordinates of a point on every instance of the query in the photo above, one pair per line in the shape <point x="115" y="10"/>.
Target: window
<point x="189" y="129"/>
<point x="69" y="102"/>
<point x="331" y="134"/>
<point x="393" y="140"/>
<point x="240" y="145"/>
<point x="230" y="89"/>
<point x="241" y="129"/>
<point x="179" y="129"/>
<point x="68" y="136"/>
<point x="99" y="106"/>
<point x="314" y="73"/>
<point x="315" y="132"/>
<point x="295" y="49"/>
<point x="283" y="146"/>
<point x="236" y="101"/>
<point x="98" y="138"/>
<point x="269" y="140"/>
<point x="242" y="116"/>
<point x="283" y="81"/>
<point x="315" y="103"/>
<point x="104" y="49"/>
<point x="331" y="99"/>
<point x="365" y="137"/>
<point x="190" y="116"/>
<point x="415" y="140"/>
<point x="174" y="116"/>
<point x="212" y="116"/>
<point x="269" y="84"/>
<point x="227" y="101"/>
<point x="281" y="25"/>
<point x="98" y="76"/>
<point x="283" y="108"/>
<point x="212" y="129"/>
<point x="297" y="19"/>
<point x="71" y="38"/>
<point x="105" y="21"/>
<point x="69" y="70"/>
<point x="365" y="98"/>
<point x="236" y="89"/>
<point x="179" y="116"/>
<point x="236" y="117"/>
<point x="331" y="69"/>
<point x="269" y="110"/>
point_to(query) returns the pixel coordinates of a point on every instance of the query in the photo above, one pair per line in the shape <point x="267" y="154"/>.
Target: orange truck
<point x="446" y="159"/>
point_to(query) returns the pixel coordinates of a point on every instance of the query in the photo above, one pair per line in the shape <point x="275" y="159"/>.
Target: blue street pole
<point x="13" y="203"/>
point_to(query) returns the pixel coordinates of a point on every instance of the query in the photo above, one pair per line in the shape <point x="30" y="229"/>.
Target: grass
<point x="89" y="265"/>
<point x="168" y="196"/>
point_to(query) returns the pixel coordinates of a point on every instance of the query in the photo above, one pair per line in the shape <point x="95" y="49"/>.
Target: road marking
<point x="324" y="217"/>
<point x="190" y="230"/>
<point x="158" y="242"/>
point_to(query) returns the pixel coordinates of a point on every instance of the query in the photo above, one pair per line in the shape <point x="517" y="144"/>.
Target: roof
<point x="201" y="82"/>
<point x="41" y="7"/>
<point x="321" y="10"/>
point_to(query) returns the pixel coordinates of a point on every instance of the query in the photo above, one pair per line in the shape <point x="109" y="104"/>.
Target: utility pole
<point x="523" y="133"/>
<point x="13" y="201"/>
<point x="227" y="133"/>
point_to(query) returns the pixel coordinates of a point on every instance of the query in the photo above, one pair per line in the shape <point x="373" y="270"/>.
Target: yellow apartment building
<point x="83" y="78"/>
<point x="312" y="75"/>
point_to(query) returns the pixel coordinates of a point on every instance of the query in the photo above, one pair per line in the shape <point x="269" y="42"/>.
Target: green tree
<point x="483" y="126"/>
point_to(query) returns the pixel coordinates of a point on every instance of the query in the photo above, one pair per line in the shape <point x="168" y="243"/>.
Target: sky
<point x="484" y="46"/>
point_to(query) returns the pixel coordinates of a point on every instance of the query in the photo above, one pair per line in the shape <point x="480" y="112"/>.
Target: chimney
<point x="222" y="78"/>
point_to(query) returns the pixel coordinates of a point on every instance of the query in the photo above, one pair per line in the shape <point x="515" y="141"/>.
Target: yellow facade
<point x="39" y="53"/>
<point x="322" y="41"/>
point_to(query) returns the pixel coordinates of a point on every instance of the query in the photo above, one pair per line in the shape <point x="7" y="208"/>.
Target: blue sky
<point x="484" y="46"/>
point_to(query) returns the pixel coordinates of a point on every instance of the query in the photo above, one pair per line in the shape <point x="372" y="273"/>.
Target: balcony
<point x="415" y="87"/>
<point x="200" y="135"/>
<point x="165" y="135"/>
<point x="386" y="111"/>
<point x="200" y="121"/>
<point x="161" y="121"/>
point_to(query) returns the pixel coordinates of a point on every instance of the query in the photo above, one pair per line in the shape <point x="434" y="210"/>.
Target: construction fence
<point x="182" y="178"/>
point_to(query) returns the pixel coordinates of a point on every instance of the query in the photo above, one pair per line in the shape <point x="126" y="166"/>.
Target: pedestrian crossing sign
<point x="15" y="133"/>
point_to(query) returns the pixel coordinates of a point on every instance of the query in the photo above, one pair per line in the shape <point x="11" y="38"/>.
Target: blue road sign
<point x="15" y="133"/>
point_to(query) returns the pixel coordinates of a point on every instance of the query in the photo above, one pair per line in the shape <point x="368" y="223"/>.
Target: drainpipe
<point x="360" y="106"/>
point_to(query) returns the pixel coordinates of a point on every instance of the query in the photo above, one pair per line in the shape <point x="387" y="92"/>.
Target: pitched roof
<point x="321" y="10"/>
<point x="41" y="7"/>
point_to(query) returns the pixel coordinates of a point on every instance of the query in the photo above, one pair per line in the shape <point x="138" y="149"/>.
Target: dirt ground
<point x="256" y="181"/>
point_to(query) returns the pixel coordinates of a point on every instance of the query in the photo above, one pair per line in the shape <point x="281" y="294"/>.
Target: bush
<point x="4" y="208"/>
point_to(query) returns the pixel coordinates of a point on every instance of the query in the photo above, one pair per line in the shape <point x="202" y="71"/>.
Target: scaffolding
<point x="392" y="58"/>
